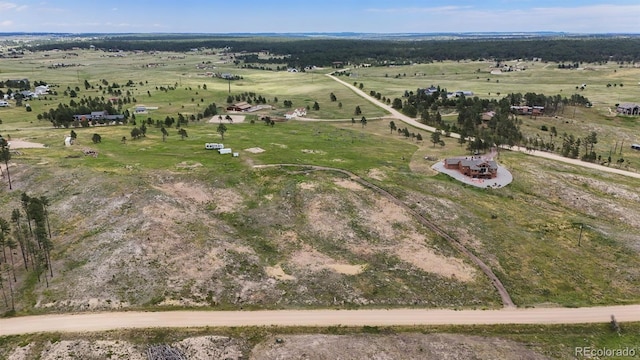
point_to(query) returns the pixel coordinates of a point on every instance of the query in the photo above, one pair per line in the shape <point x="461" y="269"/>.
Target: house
<point x="98" y="116"/>
<point x="430" y="90"/>
<point x="528" y="110"/>
<point x="41" y="90"/>
<point x="299" y="112"/>
<point x="27" y="95"/>
<point x="537" y="110"/>
<point x="140" y="109"/>
<point x="487" y="116"/>
<point x="240" y="106"/>
<point x="476" y="168"/>
<point x="4" y="103"/>
<point x="628" y="109"/>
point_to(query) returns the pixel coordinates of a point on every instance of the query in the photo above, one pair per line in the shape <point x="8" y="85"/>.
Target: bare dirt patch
<point x="309" y="259"/>
<point x="278" y="273"/>
<point x="193" y="192"/>
<point x="255" y="150"/>
<point x="402" y="346"/>
<point x="348" y="184"/>
<point x="221" y="119"/>
<point x="427" y="260"/>
<point x="307" y="186"/>
<point x="309" y="346"/>
<point x="347" y="269"/>
<point x="188" y="165"/>
<point x="377" y="174"/>
<point x="317" y="152"/>
<point x="23" y="144"/>
<point x="197" y="348"/>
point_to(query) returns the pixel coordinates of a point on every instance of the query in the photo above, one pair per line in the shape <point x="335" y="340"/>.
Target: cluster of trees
<point x="29" y="232"/>
<point x="21" y="84"/>
<point x="552" y="104"/>
<point x="62" y="116"/>
<point x="502" y="128"/>
<point x="406" y="133"/>
<point x="570" y="145"/>
<point x="300" y="53"/>
<point x="209" y="110"/>
<point x="249" y="97"/>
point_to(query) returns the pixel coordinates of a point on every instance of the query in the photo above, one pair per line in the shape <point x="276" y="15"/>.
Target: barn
<point x="240" y="106"/>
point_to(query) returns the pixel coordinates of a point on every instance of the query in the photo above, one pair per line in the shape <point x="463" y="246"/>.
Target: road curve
<point x="91" y="322"/>
<point x="413" y="122"/>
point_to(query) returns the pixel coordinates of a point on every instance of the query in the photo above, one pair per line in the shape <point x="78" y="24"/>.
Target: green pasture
<point x="536" y="77"/>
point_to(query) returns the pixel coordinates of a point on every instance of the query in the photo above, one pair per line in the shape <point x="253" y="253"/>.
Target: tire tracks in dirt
<point x="495" y="281"/>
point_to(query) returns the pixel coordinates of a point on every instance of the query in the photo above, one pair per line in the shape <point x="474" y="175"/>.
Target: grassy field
<point x="527" y="232"/>
<point x="151" y="224"/>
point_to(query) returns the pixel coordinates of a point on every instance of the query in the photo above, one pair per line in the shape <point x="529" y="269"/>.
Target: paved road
<point x="413" y="122"/>
<point x="132" y="320"/>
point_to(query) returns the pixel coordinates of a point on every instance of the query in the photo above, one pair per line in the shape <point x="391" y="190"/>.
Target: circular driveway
<point x="504" y="176"/>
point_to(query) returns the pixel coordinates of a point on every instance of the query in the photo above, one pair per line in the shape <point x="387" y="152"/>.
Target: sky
<point x="365" y="16"/>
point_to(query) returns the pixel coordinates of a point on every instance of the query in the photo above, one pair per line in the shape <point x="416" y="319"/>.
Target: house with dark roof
<point x="99" y="116"/>
<point x="628" y="109"/>
<point x="475" y="168"/>
<point x="240" y="106"/>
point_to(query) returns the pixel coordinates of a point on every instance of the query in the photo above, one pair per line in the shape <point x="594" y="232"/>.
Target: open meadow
<point x="159" y="222"/>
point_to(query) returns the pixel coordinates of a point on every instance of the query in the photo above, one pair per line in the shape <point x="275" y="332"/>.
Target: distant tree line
<point x="300" y="53"/>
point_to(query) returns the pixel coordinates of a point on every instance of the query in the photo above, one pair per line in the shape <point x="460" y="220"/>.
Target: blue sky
<point x="373" y="16"/>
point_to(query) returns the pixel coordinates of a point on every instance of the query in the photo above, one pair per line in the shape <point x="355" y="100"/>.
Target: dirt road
<point x="131" y="320"/>
<point x="408" y="120"/>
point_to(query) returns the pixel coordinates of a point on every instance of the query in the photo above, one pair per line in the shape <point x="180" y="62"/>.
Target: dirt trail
<point x="398" y="115"/>
<point x="397" y="317"/>
<point x="502" y="291"/>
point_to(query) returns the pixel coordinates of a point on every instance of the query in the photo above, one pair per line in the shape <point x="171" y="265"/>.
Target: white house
<point x="4" y="103"/>
<point x="299" y="112"/>
<point x="41" y="90"/>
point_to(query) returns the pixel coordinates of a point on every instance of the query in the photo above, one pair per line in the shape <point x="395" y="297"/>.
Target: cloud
<point x="413" y="10"/>
<point x="6" y="23"/>
<point x="6" y="6"/>
<point x="595" y="18"/>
